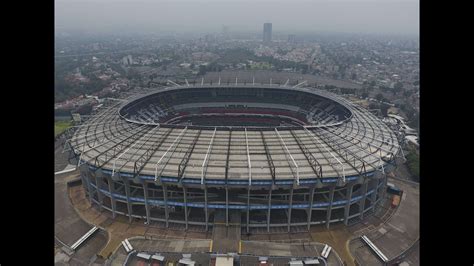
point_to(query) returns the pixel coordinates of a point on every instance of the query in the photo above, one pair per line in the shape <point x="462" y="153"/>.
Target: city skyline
<point x="388" y="17"/>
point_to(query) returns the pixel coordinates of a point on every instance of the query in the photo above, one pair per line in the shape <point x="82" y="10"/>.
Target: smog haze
<point x="204" y="16"/>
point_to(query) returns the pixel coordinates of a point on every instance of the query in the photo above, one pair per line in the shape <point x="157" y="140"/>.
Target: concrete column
<point x="83" y="170"/>
<point x="364" y="196"/>
<point x="248" y="209"/>
<point x="185" y="207"/>
<point x="331" y="199"/>
<point x="289" y="209"/>
<point x="226" y="206"/>
<point x="165" y="198"/>
<point x="85" y="183"/>
<point x="383" y="188"/>
<point x="269" y="208"/>
<point x="127" y="193"/>
<point x="112" y="197"/>
<point x="373" y="197"/>
<point x="100" y="195"/>
<point x="348" y="203"/>
<point x="147" y="206"/>
<point x="206" y="209"/>
<point x="89" y="187"/>
<point x="310" y="207"/>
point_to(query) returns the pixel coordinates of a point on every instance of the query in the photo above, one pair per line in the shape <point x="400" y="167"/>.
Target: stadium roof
<point x="362" y="144"/>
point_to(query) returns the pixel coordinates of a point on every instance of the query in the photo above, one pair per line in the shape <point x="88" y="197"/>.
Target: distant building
<point x="209" y="38"/>
<point x="76" y="117"/>
<point x="225" y="31"/>
<point x="267" y="32"/>
<point x="127" y="60"/>
<point x="96" y="46"/>
<point x="291" y="38"/>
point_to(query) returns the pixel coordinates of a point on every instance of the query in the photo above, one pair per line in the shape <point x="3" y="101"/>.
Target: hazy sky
<point x="357" y="16"/>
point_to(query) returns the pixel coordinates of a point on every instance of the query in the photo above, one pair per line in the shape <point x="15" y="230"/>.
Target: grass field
<point x="60" y="126"/>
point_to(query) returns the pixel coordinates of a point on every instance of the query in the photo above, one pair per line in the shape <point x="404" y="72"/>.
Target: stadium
<point x="260" y="156"/>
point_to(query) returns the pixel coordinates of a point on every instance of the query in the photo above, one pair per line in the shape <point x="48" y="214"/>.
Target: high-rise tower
<point x="267" y="32"/>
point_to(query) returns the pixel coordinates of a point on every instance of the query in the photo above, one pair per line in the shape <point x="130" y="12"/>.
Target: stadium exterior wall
<point x="266" y="205"/>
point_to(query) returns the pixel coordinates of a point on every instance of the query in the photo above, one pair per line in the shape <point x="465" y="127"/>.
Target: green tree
<point x="379" y="97"/>
<point x="414" y="121"/>
<point x="406" y="93"/>
<point x="384" y="109"/>
<point x="202" y="70"/>
<point x="413" y="163"/>
<point x="398" y="86"/>
<point x="373" y="106"/>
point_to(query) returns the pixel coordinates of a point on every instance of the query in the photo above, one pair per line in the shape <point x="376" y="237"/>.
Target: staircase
<point x="226" y="238"/>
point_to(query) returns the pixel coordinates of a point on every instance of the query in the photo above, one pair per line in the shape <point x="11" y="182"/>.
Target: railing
<point x="374" y="248"/>
<point x="326" y="251"/>
<point x="127" y="246"/>
<point x="84" y="238"/>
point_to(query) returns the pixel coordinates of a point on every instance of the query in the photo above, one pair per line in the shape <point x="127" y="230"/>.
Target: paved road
<point x="399" y="233"/>
<point x="68" y="226"/>
<point x="171" y="249"/>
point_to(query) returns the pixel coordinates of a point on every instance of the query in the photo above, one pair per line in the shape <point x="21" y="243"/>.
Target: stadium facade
<point x="273" y="155"/>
